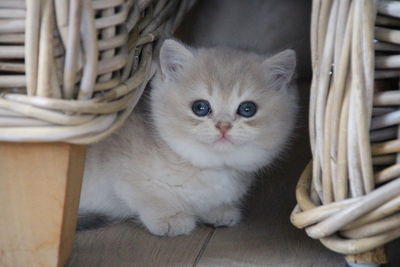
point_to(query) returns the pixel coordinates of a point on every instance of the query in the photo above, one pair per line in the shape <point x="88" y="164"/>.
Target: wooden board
<point x="128" y="244"/>
<point x="39" y="195"/>
<point x="260" y="244"/>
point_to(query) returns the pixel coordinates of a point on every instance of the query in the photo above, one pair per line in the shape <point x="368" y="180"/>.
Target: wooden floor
<point x="264" y="238"/>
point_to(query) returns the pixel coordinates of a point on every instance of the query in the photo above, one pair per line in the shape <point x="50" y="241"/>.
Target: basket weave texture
<point x="72" y="70"/>
<point x="349" y="195"/>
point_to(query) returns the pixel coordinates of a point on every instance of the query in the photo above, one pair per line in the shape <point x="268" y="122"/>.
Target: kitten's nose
<point x="223" y="126"/>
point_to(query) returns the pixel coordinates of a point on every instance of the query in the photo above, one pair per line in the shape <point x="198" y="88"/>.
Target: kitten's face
<point x="220" y="107"/>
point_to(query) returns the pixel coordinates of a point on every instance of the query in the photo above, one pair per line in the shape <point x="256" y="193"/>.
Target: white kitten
<point x="217" y="116"/>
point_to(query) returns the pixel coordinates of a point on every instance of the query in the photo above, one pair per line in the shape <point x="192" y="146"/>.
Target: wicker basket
<point x="349" y="196"/>
<point x="72" y="70"/>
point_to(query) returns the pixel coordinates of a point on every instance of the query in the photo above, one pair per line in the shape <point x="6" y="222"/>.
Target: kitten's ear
<point x="173" y="57"/>
<point x="280" y="68"/>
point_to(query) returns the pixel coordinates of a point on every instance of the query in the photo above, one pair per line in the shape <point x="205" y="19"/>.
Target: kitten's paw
<point x="178" y="224"/>
<point x="223" y="215"/>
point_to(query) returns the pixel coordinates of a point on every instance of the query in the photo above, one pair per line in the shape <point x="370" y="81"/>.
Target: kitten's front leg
<point x="163" y="220"/>
<point x="222" y="215"/>
<point x="160" y="211"/>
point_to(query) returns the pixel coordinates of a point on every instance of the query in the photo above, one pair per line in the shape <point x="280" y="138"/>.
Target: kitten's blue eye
<point x="247" y="109"/>
<point x="201" y="108"/>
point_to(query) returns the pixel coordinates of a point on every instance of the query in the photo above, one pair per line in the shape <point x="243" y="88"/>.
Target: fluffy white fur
<point x="168" y="168"/>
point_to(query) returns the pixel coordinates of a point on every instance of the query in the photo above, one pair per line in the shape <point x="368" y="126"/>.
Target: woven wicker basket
<point x="349" y="196"/>
<point x="72" y="70"/>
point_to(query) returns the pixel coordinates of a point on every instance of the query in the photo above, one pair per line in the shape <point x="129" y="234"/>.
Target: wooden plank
<point x="39" y="195"/>
<point x="129" y="244"/>
<point x="255" y="243"/>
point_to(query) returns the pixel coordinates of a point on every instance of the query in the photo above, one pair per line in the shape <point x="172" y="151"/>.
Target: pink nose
<point x="223" y="126"/>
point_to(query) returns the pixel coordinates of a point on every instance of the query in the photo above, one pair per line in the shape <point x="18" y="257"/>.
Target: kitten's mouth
<point x="223" y="139"/>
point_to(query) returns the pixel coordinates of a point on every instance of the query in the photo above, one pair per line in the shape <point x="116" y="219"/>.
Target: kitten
<point x="217" y="116"/>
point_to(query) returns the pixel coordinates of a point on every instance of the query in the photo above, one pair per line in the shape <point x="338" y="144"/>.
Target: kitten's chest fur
<point x="205" y="188"/>
<point x="199" y="188"/>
